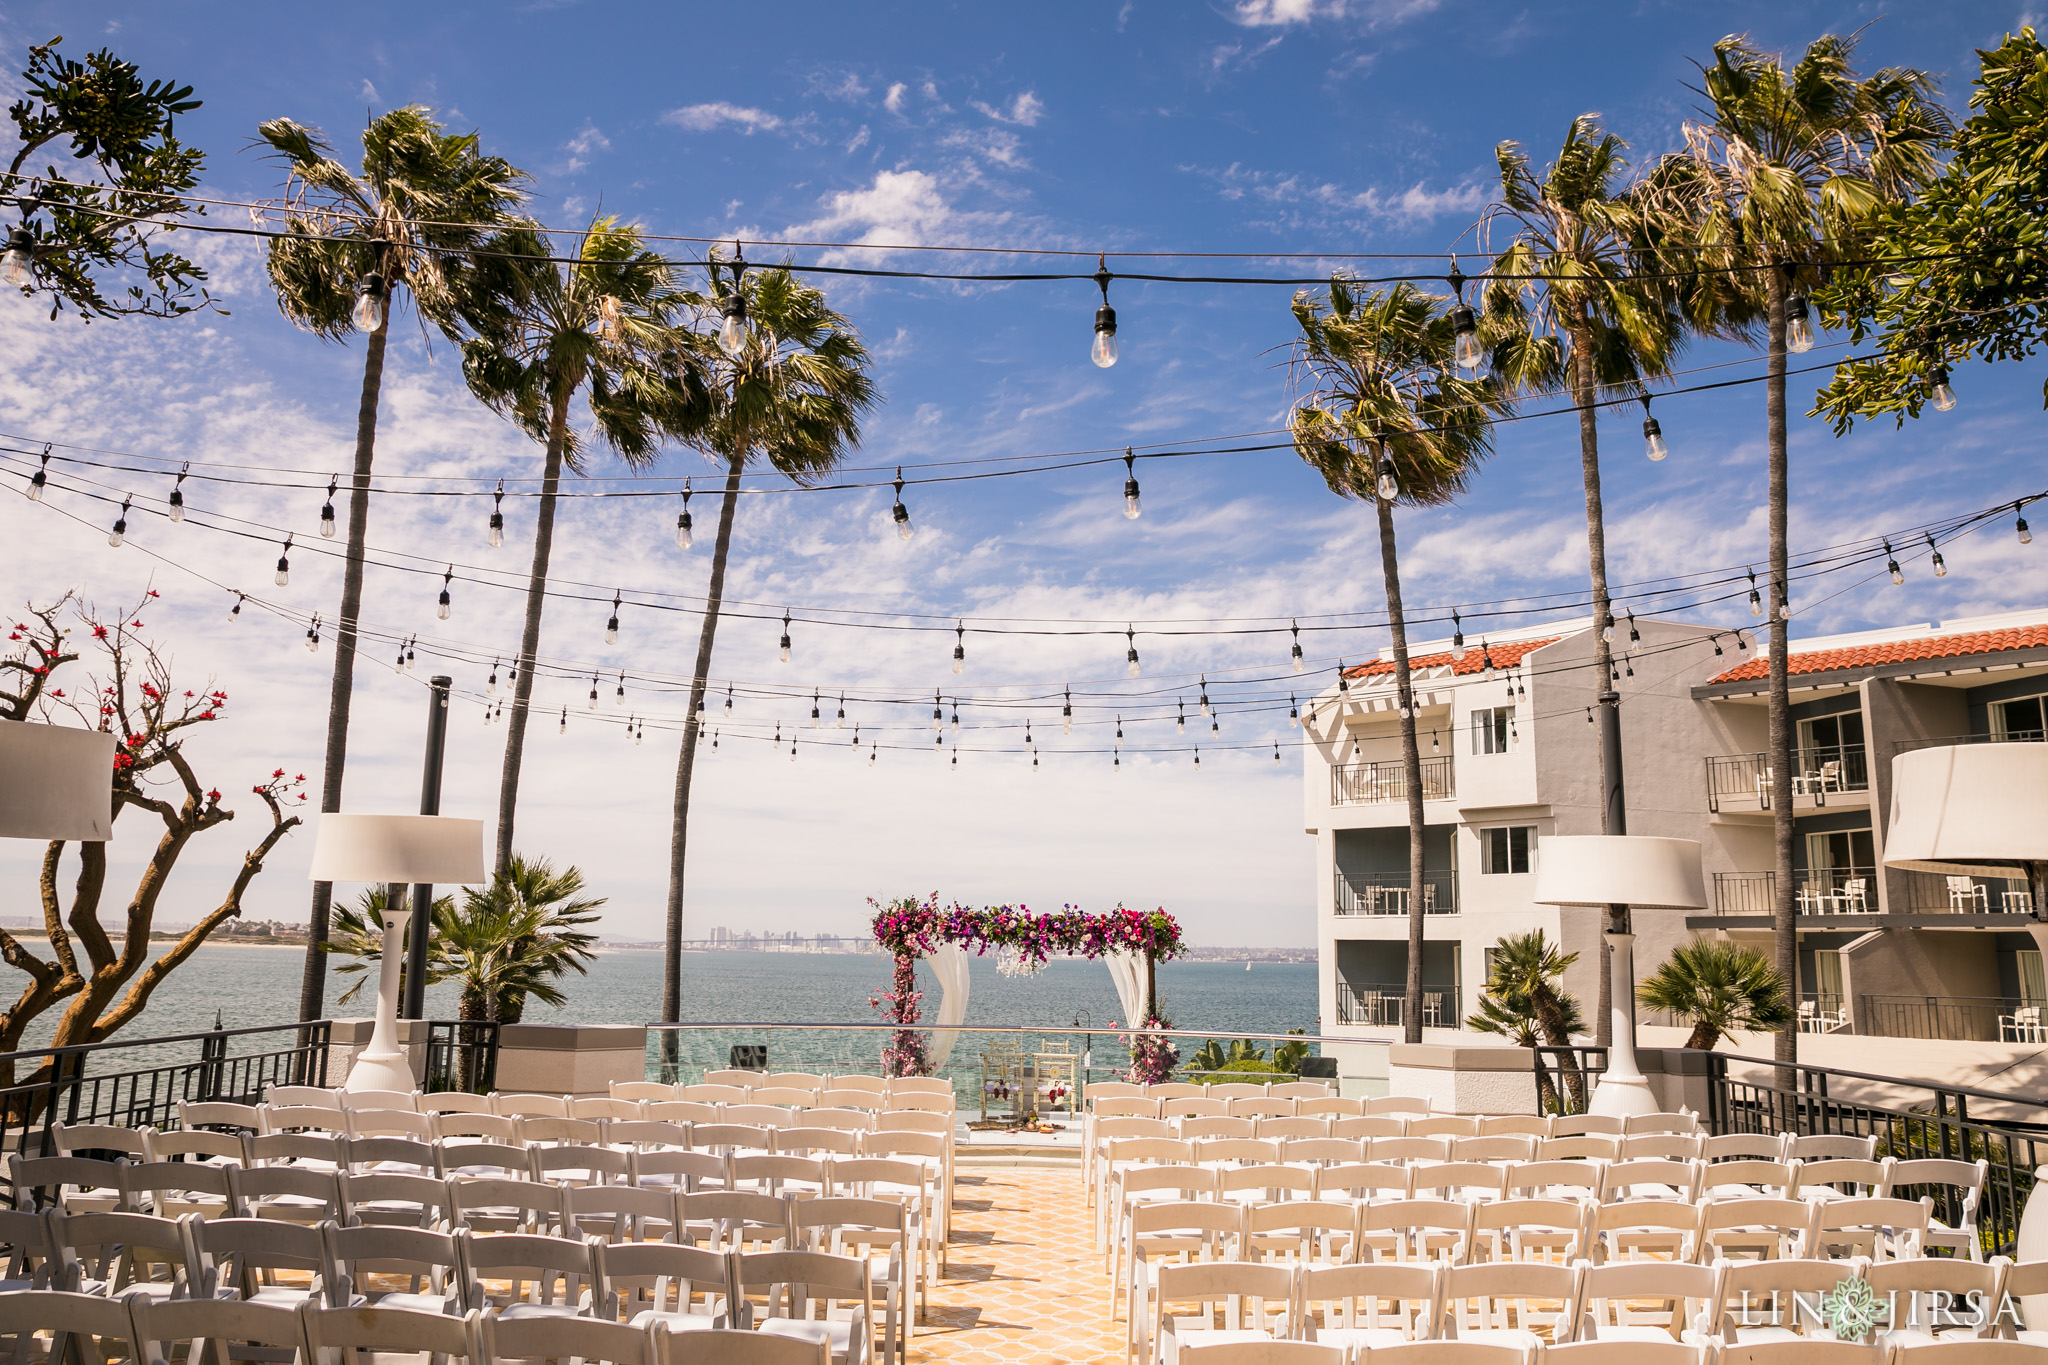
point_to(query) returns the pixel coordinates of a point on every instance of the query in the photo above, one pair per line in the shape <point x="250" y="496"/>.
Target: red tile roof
<point x="1504" y="656"/>
<point x="1893" y="652"/>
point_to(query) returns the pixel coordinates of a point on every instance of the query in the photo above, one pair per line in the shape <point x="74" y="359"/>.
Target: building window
<point x="2020" y="719"/>
<point x="1491" y="728"/>
<point x="1506" y="848"/>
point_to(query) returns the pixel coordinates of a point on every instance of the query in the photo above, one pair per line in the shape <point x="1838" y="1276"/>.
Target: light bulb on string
<point x="1034" y="759"/>
<point x="1511" y="686"/>
<point x="1457" y="637"/>
<point x="1389" y="485"/>
<point x="17" y="263"/>
<point x="1487" y="654"/>
<point x="619" y="696"/>
<point x="370" y="309"/>
<point x="1293" y="713"/>
<point x="1653" y="434"/>
<point x="284" y="564"/>
<point x="1067" y="713"/>
<point x="871" y="753"/>
<point x="1116" y="761"/>
<point x="956" y="715"/>
<point x="441" y="608"/>
<point x="1198" y="758"/>
<point x="714" y="741"/>
<point x="1216" y="725"/>
<point x="563" y="728"/>
<point x="785" y="635"/>
<point x="120" y="531"/>
<point x="728" y="699"/>
<point x="1891" y="565"/>
<point x="1938" y="392"/>
<point x="1635" y="637"/>
<point x="1103" y="349"/>
<point x="840" y="722"/>
<point x="491" y="686"/>
<point x="1939" y="564"/>
<point x="1607" y="628"/>
<point x="683" y="520"/>
<point x="700" y="708"/>
<point x="1756" y="601"/>
<point x="411" y="659"/>
<point x="2026" y="536"/>
<point x="1295" y="654"/>
<point x="1180" y="723"/>
<point x="177" y="499"/>
<point x="1718" y="651"/>
<point x="1130" y="485"/>
<point x="817" y="716"/>
<point x="1119" y="729"/>
<point x="611" y="625"/>
<point x="959" y="647"/>
<point x="1131" y="653"/>
<point x="856" y="739"/>
<point x="1205" y="694"/>
<point x="1798" y="325"/>
<point x="939" y="742"/>
<point x="1276" y="755"/>
<point x="938" y="713"/>
<point x="235" y="612"/>
<point x="40" y="480"/>
<point x="1343" y="684"/>
<point x="899" y="513"/>
<point x="1435" y="746"/>
<point x="1630" y="663"/>
<point x="1784" y="600"/>
<point x="313" y="634"/>
<point x="1466" y="352"/>
<point x="732" y="331"/>
<point x="497" y="536"/>
<point x="792" y="748"/>
<point x="1741" y="642"/>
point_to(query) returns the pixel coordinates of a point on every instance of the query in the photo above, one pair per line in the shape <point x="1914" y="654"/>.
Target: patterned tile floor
<point x="1024" y="1283"/>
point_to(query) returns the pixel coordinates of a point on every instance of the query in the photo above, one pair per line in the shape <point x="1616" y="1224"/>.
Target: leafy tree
<point x="1961" y="271"/>
<point x="1719" y="988"/>
<point x="790" y="391"/>
<point x="104" y="980"/>
<point x="1795" y="162"/>
<point x="1522" y="1002"/>
<point x="359" y="934"/>
<point x="1290" y="1056"/>
<point x="87" y="237"/>
<point x="355" y="244"/>
<point x="1512" y="1017"/>
<point x="607" y="322"/>
<point x="1385" y="417"/>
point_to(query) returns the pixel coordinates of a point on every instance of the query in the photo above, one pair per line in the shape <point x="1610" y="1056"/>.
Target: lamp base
<point x="380" y="1071"/>
<point x="1615" y="1096"/>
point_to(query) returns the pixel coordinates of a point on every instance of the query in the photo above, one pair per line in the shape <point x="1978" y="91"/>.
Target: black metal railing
<point x="461" y="1055"/>
<point x="1956" y="1018"/>
<point x="1743" y="893"/>
<point x="145" y="1078"/>
<point x="1383" y="1004"/>
<point x="1745" y="781"/>
<point x="1923" y="893"/>
<point x="1565" y="1077"/>
<point x="1387" y="893"/>
<point x="1746" y="1095"/>
<point x="1815" y="891"/>
<point x="1354" y="784"/>
<point x="1900" y="746"/>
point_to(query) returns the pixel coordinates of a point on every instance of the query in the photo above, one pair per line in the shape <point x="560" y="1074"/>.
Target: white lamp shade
<point x="55" y="782"/>
<point x="437" y="849"/>
<point x="1620" y="869"/>
<point x="1969" y="809"/>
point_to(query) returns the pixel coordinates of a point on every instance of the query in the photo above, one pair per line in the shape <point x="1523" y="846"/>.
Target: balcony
<point x="1901" y="746"/>
<point x="1353" y="784"/>
<point x="1961" y="1018"/>
<point x="1853" y="891"/>
<point x="1386" y="893"/>
<point x="1381" y="1003"/>
<point x="1744" y="782"/>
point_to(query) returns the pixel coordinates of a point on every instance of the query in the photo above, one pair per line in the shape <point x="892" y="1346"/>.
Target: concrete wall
<point x="1920" y="962"/>
<point x="1465" y="1080"/>
<point x="1895" y="711"/>
<point x="552" y="1059"/>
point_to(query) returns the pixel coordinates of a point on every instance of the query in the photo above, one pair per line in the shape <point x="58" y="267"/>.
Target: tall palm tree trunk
<point x="313" y="979"/>
<point x="1411" y="771"/>
<point x="529" y="642"/>
<point x="1784" y="933"/>
<point x="686" y="763"/>
<point x="1613" y="817"/>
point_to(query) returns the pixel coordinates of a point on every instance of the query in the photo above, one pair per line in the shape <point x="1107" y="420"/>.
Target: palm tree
<point x="1523" y="978"/>
<point x="358" y="934"/>
<point x="1512" y="1017"/>
<point x="1719" y="988"/>
<point x="605" y="322"/>
<point x="424" y="197"/>
<point x="1798" y="162"/>
<point x="1386" y="418"/>
<point x="1569" y="307"/>
<point x="791" y="392"/>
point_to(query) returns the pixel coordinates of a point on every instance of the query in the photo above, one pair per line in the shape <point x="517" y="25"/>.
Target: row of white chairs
<point x="1641" y="1311"/>
<point x="1166" y="1090"/>
<point x="828" y="1130"/>
<point x="274" y="1116"/>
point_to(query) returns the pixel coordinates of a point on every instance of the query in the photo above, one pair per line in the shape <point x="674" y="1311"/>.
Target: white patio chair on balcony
<point x="2023" y="1025"/>
<point x="1819" y="783"/>
<point x="2018" y="902"/>
<point x="1965" y="894"/>
<point x="1854" y="897"/>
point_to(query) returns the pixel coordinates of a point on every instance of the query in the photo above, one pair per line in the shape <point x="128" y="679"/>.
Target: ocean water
<point x="255" y="986"/>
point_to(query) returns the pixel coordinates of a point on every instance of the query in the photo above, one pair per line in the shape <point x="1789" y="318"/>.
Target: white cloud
<point x="704" y="118"/>
<point x="990" y="144"/>
<point x="902" y="207"/>
<point x="1025" y="110"/>
<point x="1305" y="199"/>
<point x="1372" y="14"/>
<point x="858" y="140"/>
<point x="369" y="92"/>
<point x="581" y="146"/>
<point x="844" y="86"/>
<point x="893" y="101"/>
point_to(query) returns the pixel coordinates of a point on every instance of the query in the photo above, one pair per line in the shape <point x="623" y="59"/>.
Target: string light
<point x="177" y="499"/>
<point x="840" y="722"/>
<point x="1798" y="325"/>
<point x="956" y="715"/>
<point x="1718" y="651"/>
<point x="284" y="564"/>
<point x="714" y="741"/>
<point x="1180" y="723"/>
<point x="1589" y="715"/>
<point x="611" y="626"/>
<point x="1067" y="707"/>
<point x="1607" y="628"/>
<point x="1295" y="654"/>
<point x="619" y="697"/>
<point x="1293" y="713"/>
<point x="1891" y="565"/>
<point x="1434" y="745"/>
<point x="732" y="333"/>
<point x="1198" y="758"/>
<point x="2026" y="536"/>
<point x="120" y="531"/>
<point x="1119" y="729"/>
<point x="1103" y="350"/>
<point x="1131" y="654"/>
<point x="1034" y="758"/>
<point x="1216" y="725"/>
<point x="1457" y="637"/>
<point x="1276" y="755"/>
<point x="1487" y="653"/>
<point x="40" y="480"/>
<point x="312" y="634"/>
<point x="327" y="510"/>
<point x="856" y="739"/>
<point x="1939" y="564"/>
<point x="785" y="635"/>
<point x="871" y="753"/>
<point x="1466" y="352"/>
<point x="411" y="659"/>
<point x="938" y="713"/>
<point x="728" y="699"/>
<point x="1027" y="732"/>
<point x="1938" y="392"/>
<point x="497" y="536"/>
<point x="369" y="312"/>
<point x="817" y="718"/>
<point x="563" y="728"/>
<point x="1784" y="600"/>
<point x="1130" y="485"/>
<point x="235" y="612"/>
<point x="899" y="513"/>
<point x="448" y="577"/>
<point x="491" y="686"/>
<point x="17" y="264"/>
<point x="1116" y="761"/>
<point x="1653" y="434"/>
<point x="640" y="733"/>
<point x="1389" y="485"/>
<point x="683" y="520"/>
<point x="1741" y="643"/>
<point x="959" y="647"/>
<point x="1756" y="601"/>
<point x="1635" y="637"/>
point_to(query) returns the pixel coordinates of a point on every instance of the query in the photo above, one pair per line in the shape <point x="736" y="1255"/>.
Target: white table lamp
<point x="56" y="782"/>
<point x="395" y="850"/>
<point x="1621" y="869"/>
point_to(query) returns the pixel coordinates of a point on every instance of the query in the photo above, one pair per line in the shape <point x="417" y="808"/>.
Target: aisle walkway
<point x="1024" y="1286"/>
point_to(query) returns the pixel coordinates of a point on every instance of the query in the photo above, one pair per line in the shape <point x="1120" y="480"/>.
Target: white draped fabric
<point x="949" y="965"/>
<point x="1127" y="971"/>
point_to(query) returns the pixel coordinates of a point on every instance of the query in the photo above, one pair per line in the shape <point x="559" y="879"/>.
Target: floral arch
<point x="1132" y="942"/>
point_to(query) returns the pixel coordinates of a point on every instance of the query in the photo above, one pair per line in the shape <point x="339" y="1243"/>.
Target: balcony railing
<point x="1381" y="1004"/>
<point x="1960" y="1018"/>
<point x="1353" y="784"/>
<point x="1743" y="893"/>
<point x="1900" y="746"/>
<point x="1853" y="891"/>
<point x="1922" y="893"/>
<point x="1387" y="893"/>
<point x="1745" y="781"/>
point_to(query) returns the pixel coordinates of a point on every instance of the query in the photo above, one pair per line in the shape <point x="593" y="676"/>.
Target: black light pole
<point x="414" y="1003"/>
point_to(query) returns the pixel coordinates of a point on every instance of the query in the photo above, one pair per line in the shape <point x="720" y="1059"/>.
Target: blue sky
<point x="1265" y="126"/>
